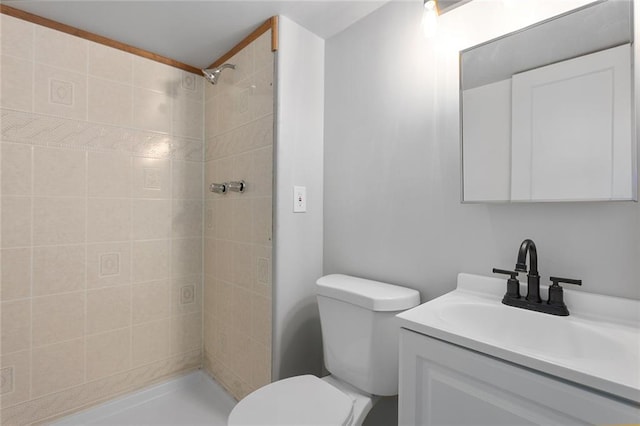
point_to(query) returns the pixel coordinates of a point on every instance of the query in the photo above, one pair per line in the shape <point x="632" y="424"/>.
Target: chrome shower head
<point x="212" y="74"/>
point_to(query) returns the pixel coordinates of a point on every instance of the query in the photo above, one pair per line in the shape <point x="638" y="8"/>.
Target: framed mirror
<point x="548" y="112"/>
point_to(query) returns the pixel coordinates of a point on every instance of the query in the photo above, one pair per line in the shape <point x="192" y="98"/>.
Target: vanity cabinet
<point x="445" y="384"/>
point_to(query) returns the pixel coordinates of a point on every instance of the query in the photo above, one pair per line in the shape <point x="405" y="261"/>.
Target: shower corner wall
<point x="239" y="121"/>
<point x="102" y="222"/>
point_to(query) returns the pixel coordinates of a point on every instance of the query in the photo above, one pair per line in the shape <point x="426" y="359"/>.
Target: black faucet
<point x="554" y="305"/>
<point x="533" y="279"/>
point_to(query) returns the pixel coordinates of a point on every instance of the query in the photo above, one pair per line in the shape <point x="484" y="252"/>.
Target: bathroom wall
<point x="392" y="165"/>
<point x="297" y="339"/>
<point x="238" y="226"/>
<point x="101" y="236"/>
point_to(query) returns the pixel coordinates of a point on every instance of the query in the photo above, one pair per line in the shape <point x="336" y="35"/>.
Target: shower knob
<point x="218" y="188"/>
<point x="237" y="186"/>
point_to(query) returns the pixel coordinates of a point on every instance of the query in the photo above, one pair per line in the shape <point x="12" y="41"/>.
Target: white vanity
<point x="467" y="359"/>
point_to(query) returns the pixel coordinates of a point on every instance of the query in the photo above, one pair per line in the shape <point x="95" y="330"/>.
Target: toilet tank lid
<point x="372" y="295"/>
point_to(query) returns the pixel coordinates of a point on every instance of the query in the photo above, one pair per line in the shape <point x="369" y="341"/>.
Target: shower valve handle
<point x="237" y="186"/>
<point x="218" y="188"/>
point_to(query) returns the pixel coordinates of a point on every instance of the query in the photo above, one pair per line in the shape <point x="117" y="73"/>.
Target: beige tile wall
<point x="238" y="227"/>
<point x="102" y="211"/>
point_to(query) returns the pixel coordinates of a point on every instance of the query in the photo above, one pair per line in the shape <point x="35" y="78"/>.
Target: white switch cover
<point x="299" y="199"/>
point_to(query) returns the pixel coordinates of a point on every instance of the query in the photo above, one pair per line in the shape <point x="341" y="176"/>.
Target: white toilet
<point x="360" y="337"/>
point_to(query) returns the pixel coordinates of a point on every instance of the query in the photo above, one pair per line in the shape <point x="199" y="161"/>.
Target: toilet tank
<point x="360" y="331"/>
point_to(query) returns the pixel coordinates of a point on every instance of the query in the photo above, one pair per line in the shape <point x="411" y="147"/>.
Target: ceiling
<point x="194" y="32"/>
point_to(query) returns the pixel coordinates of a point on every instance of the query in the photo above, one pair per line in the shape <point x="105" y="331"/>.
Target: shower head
<point x="212" y="74"/>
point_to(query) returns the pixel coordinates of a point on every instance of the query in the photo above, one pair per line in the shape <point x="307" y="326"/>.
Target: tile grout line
<point x="32" y="213"/>
<point x="131" y="246"/>
<point x="86" y="219"/>
<point x="31" y="269"/>
<point x="86" y="260"/>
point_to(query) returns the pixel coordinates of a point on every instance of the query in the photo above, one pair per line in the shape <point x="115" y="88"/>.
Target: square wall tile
<point x="16" y="326"/>
<point x="260" y="365"/>
<point x="108" y="353"/>
<point x="18" y="365"/>
<point x="151" y="341"/>
<point x="16" y="221"/>
<point x="17" y="37"/>
<point x="241" y="305"/>
<point x="60" y="92"/>
<point x="60" y="50"/>
<point x="244" y="61"/>
<point x="241" y="222"/>
<point x="151" y="301"/>
<point x="240" y="362"/>
<point x="261" y="319"/>
<point x="262" y="171"/>
<point x="57" y="318"/>
<point x="59" y="172"/>
<point x="58" y="220"/>
<point x="108" y="264"/>
<point x="187" y="179"/>
<point x="15" y="273"/>
<point x="108" y="309"/>
<point x="58" y="269"/>
<point x="109" y="174"/>
<point x="57" y="367"/>
<point x="211" y="114"/>
<point x="263" y="56"/>
<point x="110" y="102"/>
<point x="108" y="219"/>
<point x="186" y="333"/>
<point x="262" y="220"/>
<point x="263" y="260"/>
<point x="187" y="294"/>
<point x="17" y="83"/>
<point x="151" y="110"/>
<point x="191" y="86"/>
<point x="187" y="218"/>
<point x="150" y="260"/>
<point x="223" y="219"/>
<point x="153" y="75"/>
<point x="151" y="178"/>
<point x="109" y="63"/>
<point x="244" y="270"/>
<point x="221" y="266"/>
<point x="261" y="93"/>
<point x="241" y="169"/>
<point x="188" y="118"/>
<point x="151" y="219"/>
<point x="186" y="257"/>
<point x="15" y="169"/>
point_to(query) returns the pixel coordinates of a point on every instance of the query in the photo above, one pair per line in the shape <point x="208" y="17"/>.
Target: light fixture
<point x="430" y="18"/>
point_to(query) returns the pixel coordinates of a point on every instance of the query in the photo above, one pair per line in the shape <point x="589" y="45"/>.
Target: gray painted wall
<point x="392" y="207"/>
<point x="297" y="343"/>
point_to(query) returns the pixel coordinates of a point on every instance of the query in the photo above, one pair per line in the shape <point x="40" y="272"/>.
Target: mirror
<point x="547" y="112"/>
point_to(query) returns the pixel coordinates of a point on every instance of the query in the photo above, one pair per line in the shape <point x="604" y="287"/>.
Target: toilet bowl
<point x="360" y="336"/>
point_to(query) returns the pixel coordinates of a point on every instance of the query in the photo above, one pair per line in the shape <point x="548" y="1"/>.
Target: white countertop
<point x="597" y="346"/>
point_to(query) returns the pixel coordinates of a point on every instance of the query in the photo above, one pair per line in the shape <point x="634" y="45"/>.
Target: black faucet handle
<point x="513" y="285"/>
<point x="556" y="280"/>
<point x="512" y="274"/>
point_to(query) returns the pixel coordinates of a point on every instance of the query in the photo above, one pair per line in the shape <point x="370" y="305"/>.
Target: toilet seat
<point x="301" y="400"/>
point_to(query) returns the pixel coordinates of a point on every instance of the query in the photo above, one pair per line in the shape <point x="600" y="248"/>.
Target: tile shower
<point x="105" y="159"/>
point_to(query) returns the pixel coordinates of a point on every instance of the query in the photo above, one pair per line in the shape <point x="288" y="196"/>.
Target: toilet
<point x="360" y="339"/>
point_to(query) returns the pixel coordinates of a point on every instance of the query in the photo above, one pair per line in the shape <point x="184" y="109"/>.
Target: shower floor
<point x="193" y="399"/>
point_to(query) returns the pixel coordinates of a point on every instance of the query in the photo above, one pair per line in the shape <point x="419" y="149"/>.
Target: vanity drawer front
<point x="441" y="383"/>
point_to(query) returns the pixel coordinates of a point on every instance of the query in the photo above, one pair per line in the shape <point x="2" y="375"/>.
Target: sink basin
<point x="601" y="350"/>
<point x="561" y="337"/>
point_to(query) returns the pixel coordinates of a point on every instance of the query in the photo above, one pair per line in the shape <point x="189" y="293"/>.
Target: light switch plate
<point x="299" y="199"/>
